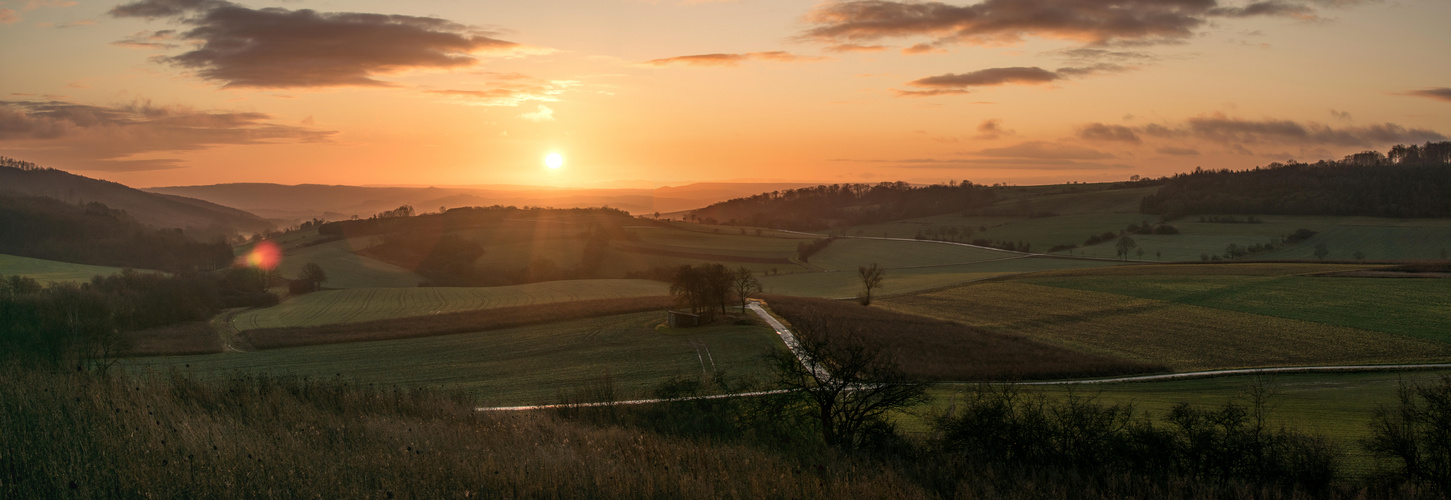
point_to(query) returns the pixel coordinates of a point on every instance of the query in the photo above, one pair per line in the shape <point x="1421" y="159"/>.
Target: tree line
<point x="1412" y="181"/>
<point x="81" y="323"/>
<point x="95" y="234"/>
<point x="819" y="207"/>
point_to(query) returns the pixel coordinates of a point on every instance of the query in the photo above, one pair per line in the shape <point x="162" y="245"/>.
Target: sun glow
<point x="554" y="160"/>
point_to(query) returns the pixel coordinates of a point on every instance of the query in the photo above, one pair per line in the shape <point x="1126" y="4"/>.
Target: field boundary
<point x="1229" y="373"/>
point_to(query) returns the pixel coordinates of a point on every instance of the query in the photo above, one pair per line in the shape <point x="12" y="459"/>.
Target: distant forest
<point x="1410" y="181"/>
<point x="46" y="228"/>
<point x="820" y="207"/>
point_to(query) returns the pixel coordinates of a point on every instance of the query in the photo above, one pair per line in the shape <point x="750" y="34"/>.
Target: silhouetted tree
<point x="1321" y="251"/>
<point x="871" y="276"/>
<point x="745" y="284"/>
<point x="1124" y="245"/>
<point x="1416" y="434"/>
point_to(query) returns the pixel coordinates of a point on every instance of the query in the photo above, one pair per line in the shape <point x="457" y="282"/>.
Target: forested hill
<point x="47" y="228"/>
<point x="156" y="210"/>
<point x="819" y="207"/>
<point x="1410" y="182"/>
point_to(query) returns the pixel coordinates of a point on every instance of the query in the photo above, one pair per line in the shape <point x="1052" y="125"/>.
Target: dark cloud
<point x="952" y="83"/>
<point x="731" y="59"/>
<point x="992" y="163"/>
<point x="1170" y="150"/>
<point x="992" y="129"/>
<point x="1041" y="150"/>
<point x="922" y="48"/>
<point x="1105" y="132"/>
<point x="1220" y="128"/>
<point x="1440" y="94"/>
<point x="280" y="48"/>
<point x="103" y="138"/>
<point x="1097" y="22"/>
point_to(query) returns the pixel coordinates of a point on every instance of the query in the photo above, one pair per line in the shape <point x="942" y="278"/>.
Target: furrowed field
<point x="846" y="283"/>
<point x="49" y="271"/>
<point x="513" y="366"/>
<point x="1253" y="316"/>
<point x="372" y="304"/>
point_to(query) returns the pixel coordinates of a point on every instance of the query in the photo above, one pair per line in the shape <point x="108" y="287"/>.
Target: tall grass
<point x="74" y="436"/>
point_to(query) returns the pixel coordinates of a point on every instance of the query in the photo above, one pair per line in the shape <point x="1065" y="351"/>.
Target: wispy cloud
<point x="732" y="59"/>
<point x="1440" y="94"/>
<point x="953" y="83"/>
<point x="542" y="114"/>
<point x="104" y="137"/>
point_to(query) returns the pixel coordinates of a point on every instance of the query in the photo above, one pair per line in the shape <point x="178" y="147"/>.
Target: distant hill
<point x="1411" y="182"/>
<point x="820" y="207"/>
<point x="155" y="210"/>
<point x="305" y="201"/>
<point x="46" y="228"/>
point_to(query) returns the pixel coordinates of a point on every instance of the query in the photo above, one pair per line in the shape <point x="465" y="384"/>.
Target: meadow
<point x="373" y="304"/>
<point x="909" y="280"/>
<point x="1217" y="321"/>
<point x="533" y="364"/>
<point x="50" y="271"/>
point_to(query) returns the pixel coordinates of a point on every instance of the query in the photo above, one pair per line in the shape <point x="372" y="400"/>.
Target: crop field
<point x="346" y="269"/>
<point x="844" y="284"/>
<point x="849" y="253"/>
<point x="371" y="304"/>
<point x="515" y="366"/>
<point x="50" y="271"/>
<point x="1184" y="337"/>
<point x="1336" y="405"/>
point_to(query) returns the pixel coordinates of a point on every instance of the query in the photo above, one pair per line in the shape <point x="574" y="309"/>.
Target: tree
<point x="1359" y="255"/>
<point x="871" y="276"/>
<point x="1416" y="434"/>
<point x="1321" y="251"/>
<point x="313" y="275"/>
<point x="842" y="384"/>
<point x="1124" y="245"/>
<point x="745" y="284"/>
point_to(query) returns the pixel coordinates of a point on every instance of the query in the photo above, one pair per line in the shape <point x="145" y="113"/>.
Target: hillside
<point x="46" y="228"/>
<point x="158" y="211"/>
<point x="306" y="201"/>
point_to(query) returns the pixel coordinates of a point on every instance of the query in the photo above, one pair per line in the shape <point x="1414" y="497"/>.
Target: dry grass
<point x="945" y="350"/>
<point x="72" y="436"/>
<point x="195" y="337"/>
<point x="443" y="324"/>
<point x="1184" y="337"/>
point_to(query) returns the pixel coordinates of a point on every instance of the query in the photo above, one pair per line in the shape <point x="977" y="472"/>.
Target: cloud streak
<point x="1440" y="94"/>
<point x="102" y="138"/>
<point x="953" y="83"/>
<point x="997" y="22"/>
<point x="733" y="59"/>
<point x="281" y="48"/>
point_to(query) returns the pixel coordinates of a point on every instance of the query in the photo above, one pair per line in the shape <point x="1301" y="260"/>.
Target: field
<point x="372" y="304"/>
<point x="346" y="269"/>
<point x="1203" y="322"/>
<point x="525" y="365"/>
<point x="1337" y="405"/>
<point x="846" y="283"/>
<point x="846" y="254"/>
<point x="50" y="271"/>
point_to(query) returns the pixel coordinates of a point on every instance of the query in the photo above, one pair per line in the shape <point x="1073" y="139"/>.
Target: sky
<point x="638" y="93"/>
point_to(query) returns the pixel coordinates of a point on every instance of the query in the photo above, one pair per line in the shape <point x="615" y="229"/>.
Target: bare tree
<point x="842" y="383"/>
<point x="745" y="284"/>
<point x="872" y="276"/>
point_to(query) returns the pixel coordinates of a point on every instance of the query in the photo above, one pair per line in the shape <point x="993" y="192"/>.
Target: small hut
<point x="682" y="319"/>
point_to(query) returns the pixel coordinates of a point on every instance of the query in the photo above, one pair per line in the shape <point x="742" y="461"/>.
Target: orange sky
<point x="640" y="93"/>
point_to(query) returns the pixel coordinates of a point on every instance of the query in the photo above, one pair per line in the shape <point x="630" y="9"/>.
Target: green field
<point x="845" y="284"/>
<point x="346" y="269"/>
<point x="370" y="304"/>
<point x="516" y="366"/>
<point x="846" y="254"/>
<point x="50" y="271"/>
<point x="1336" y="405"/>
<point x="1262" y="316"/>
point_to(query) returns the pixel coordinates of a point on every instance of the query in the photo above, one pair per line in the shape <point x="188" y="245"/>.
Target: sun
<point x="554" y="160"/>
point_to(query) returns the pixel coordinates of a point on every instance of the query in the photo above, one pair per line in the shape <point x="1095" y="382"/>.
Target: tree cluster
<point x="81" y="323"/>
<point x="812" y="208"/>
<point x="708" y="286"/>
<point x="46" y="228"/>
<point x="1410" y="182"/>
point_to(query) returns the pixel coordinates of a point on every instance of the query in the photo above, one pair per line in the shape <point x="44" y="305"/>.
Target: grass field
<point x="526" y="365"/>
<point x="371" y="304"/>
<point x="346" y="269"/>
<point x="846" y="283"/>
<point x="1262" y="326"/>
<point x="1337" y="405"/>
<point x="50" y="271"/>
<point x="849" y="253"/>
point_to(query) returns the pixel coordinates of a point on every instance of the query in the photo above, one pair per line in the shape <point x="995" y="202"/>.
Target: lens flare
<point x="264" y="255"/>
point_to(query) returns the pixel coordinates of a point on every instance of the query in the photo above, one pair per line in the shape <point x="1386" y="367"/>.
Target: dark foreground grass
<point x="73" y="436"/>
<point x="945" y="350"/>
<point x="443" y="324"/>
